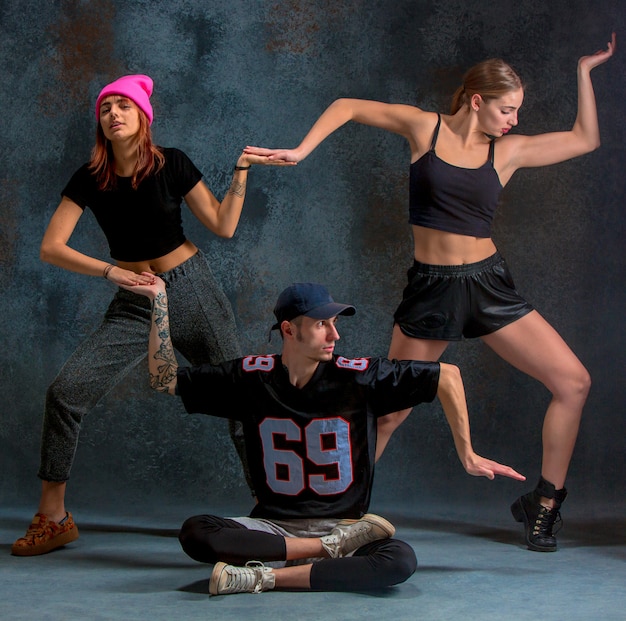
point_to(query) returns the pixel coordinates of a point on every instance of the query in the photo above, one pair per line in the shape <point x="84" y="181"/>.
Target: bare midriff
<point x="162" y="264"/>
<point x="442" y="248"/>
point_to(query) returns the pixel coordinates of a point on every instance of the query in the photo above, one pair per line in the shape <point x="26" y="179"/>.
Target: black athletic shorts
<point x="452" y="302"/>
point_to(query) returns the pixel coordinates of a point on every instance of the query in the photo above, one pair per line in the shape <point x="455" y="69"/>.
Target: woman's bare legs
<point x="531" y="345"/>
<point x="403" y="347"/>
<point x="534" y="347"/>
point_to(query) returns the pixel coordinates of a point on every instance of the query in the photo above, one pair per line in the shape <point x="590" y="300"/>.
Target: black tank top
<point x="450" y="198"/>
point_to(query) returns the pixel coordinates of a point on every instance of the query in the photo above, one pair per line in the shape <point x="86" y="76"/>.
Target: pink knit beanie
<point x="135" y="87"/>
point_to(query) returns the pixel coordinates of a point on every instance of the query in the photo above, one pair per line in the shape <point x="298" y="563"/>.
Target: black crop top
<point x="141" y="224"/>
<point x="450" y="198"/>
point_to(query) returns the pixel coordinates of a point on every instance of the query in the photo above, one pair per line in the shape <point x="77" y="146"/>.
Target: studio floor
<point x="473" y="566"/>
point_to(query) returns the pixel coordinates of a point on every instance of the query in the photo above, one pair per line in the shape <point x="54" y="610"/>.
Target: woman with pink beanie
<point x="135" y="190"/>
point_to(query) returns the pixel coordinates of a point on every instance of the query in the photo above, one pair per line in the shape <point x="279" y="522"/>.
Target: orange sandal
<point x="44" y="535"/>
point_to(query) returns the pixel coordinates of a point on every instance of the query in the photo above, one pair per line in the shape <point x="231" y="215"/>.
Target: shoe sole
<point x="517" y="509"/>
<point x="50" y="545"/>
<point x="372" y="518"/>
<point x="381" y="522"/>
<point x="215" y="578"/>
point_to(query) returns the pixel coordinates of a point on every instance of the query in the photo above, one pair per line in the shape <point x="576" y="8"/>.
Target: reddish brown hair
<point x="150" y="158"/>
<point x="490" y="79"/>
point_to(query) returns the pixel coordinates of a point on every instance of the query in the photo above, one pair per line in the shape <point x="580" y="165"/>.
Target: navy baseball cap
<point x="308" y="299"/>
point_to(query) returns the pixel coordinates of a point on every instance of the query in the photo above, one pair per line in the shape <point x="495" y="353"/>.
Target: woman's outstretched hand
<point x="275" y="156"/>
<point x="151" y="286"/>
<point x="601" y="56"/>
<point x="256" y="155"/>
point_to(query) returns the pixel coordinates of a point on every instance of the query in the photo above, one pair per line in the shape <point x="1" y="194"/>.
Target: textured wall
<point x="233" y="73"/>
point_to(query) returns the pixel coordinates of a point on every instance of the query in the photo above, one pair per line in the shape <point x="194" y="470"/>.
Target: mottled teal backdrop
<point x="228" y="74"/>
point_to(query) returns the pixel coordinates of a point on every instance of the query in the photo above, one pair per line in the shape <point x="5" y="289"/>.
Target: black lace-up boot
<point x="539" y="520"/>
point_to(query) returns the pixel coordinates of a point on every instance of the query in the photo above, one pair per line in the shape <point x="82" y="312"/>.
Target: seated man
<point x="309" y="419"/>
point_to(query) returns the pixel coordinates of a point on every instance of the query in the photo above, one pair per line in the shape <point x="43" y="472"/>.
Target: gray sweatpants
<point x="203" y="329"/>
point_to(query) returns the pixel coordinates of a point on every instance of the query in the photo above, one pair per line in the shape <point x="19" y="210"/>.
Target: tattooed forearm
<point x="166" y="372"/>
<point x="162" y="362"/>
<point x="159" y="310"/>
<point x="238" y="188"/>
<point x="156" y="383"/>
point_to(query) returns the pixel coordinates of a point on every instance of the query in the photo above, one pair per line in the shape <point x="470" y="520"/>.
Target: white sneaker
<point x="349" y="535"/>
<point x="253" y="578"/>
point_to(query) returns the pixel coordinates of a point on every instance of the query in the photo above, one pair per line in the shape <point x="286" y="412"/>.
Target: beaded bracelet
<point x="243" y="167"/>
<point x="107" y="269"/>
